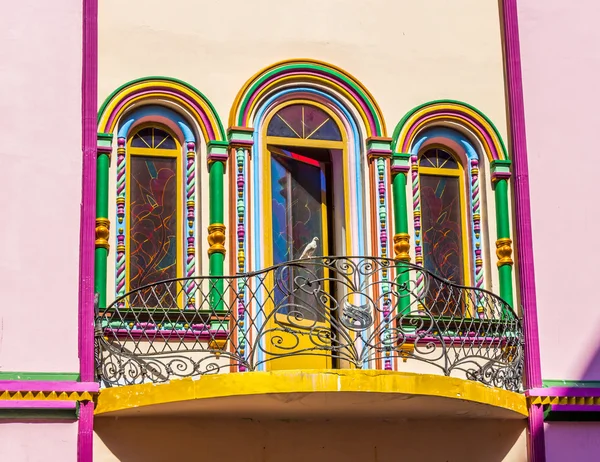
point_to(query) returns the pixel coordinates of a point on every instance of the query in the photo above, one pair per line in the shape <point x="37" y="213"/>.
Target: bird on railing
<point x="310" y="249"/>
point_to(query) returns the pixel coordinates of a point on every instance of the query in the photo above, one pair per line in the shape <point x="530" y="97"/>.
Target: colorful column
<point x="190" y="202"/>
<point x="120" y="231"/>
<point x="476" y="217"/>
<point x="104" y="151"/>
<point x="416" y="194"/>
<point x="500" y="176"/>
<point x="378" y="153"/>
<point x="217" y="157"/>
<point x="400" y="169"/>
<point x="241" y="140"/>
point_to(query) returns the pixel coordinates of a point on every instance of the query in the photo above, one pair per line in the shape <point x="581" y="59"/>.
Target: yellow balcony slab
<point x="315" y="394"/>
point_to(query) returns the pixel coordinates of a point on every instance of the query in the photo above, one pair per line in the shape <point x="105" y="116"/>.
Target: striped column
<point x="121" y="192"/>
<point x="476" y="226"/>
<point x="378" y="152"/>
<point x="190" y="196"/>
<point x="416" y="195"/>
<point x="241" y="139"/>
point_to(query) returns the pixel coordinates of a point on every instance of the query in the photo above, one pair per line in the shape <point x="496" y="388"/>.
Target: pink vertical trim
<point x="533" y="374"/>
<point x="89" y="101"/>
<point x="85" y="436"/>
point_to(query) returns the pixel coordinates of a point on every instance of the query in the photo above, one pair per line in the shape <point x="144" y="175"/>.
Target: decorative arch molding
<point x="188" y="113"/>
<point x="359" y="117"/>
<point x="468" y="128"/>
<point x="147" y="90"/>
<point x="312" y="74"/>
<point x="461" y="114"/>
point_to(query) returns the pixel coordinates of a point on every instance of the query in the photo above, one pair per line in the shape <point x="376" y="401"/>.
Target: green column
<point x="500" y="174"/>
<point x="216" y="230"/>
<point x="400" y="168"/>
<point x="102" y="221"/>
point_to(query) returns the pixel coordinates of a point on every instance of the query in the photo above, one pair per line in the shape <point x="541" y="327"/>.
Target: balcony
<point x="326" y="313"/>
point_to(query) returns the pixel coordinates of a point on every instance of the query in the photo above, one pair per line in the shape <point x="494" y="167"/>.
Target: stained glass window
<point x="442" y="223"/>
<point x="153" y="206"/>
<point x="304" y="122"/>
<point x="298" y="191"/>
<point x="442" y="226"/>
<point x="153" y="138"/>
<point x="438" y="158"/>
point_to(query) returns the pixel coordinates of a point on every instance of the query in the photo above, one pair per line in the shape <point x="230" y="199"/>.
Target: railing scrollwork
<point x="339" y="308"/>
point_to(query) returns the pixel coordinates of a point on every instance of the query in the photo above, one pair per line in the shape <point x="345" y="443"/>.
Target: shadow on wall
<point x="165" y="438"/>
<point x="576" y="441"/>
<point x="592" y="370"/>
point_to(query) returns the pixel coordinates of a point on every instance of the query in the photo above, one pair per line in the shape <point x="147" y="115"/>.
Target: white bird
<point x="310" y="248"/>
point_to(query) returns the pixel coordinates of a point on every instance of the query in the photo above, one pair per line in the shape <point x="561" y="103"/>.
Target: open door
<point x="299" y="328"/>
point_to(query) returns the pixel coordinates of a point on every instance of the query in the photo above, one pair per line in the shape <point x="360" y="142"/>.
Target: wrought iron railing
<point x="337" y="312"/>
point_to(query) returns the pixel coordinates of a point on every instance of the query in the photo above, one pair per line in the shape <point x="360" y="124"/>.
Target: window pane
<point x="153" y="223"/>
<point x="438" y="158"/>
<point x="441" y="226"/>
<point x="328" y="131"/>
<point x="153" y="138"/>
<point x="304" y="121"/>
<point x="297" y="219"/>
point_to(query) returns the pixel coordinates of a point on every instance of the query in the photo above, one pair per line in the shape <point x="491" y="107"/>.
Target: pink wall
<point x="572" y="441"/>
<point x="40" y="155"/>
<point x="561" y="71"/>
<point x="38" y="442"/>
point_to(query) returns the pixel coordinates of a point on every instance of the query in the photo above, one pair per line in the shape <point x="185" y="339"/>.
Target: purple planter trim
<point x="379" y="152"/>
<point x="574" y="408"/>
<point x="234" y="142"/>
<point x="30" y="404"/>
<point x="514" y="80"/>
<point x="167" y="335"/>
<point x="566" y="392"/>
<point x="48" y="386"/>
<point x="85" y="434"/>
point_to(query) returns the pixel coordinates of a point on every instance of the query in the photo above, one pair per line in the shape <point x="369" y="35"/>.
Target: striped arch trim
<point x="306" y="73"/>
<point x="438" y="112"/>
<point x="148" y="90"/>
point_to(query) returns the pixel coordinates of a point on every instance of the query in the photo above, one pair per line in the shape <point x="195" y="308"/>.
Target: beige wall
<point x="405" y="53"/>
<point x="252" y="440"/>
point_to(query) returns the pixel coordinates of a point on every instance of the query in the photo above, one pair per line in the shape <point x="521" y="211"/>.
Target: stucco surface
<point x="560" y="76"/>
<point x="576" y="441"/>
<point x="38" y="442"/>
<point x="40" y="191"/>
<point x="253" y="440"/>
<point x="405" y="53"/>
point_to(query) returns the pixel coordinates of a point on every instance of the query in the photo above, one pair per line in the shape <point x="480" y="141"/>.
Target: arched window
<point x="444" y="226"/>
<point x="153" y="208"/>
<point x="305" y="147"/>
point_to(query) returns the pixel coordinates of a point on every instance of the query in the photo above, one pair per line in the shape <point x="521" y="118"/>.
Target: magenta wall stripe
<point x="565" y="392"/>
<point x="533" y="374"/>
<point x="89" y="109"/>
<point x="85" y="435"/>
<point x="47" y="386"/>
<point x="89" y="102"/>
<point x="31" y="404"/>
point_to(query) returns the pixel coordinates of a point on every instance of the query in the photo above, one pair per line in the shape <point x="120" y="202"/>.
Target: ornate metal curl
<point x="342" y="309"/>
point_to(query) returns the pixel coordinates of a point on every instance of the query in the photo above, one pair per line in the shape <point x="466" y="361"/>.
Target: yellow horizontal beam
<point x="307" y="381"/>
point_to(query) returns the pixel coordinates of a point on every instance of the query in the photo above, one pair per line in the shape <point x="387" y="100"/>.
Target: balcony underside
<point x="315" y="394"/>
